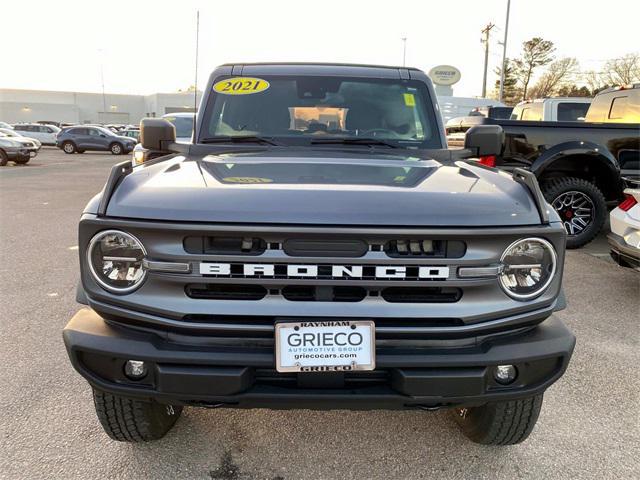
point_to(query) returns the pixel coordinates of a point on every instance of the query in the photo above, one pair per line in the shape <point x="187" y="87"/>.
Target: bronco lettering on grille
<point x="390" y="272"/>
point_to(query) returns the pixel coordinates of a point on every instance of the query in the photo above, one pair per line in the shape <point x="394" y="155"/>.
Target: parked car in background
<point x="49" y="122"/>
<point x="80" y="139"/>
<point x="491" y="112"/>
<point x="579" y="165"/>
<point x="5" y="125"/>
<point x="15" y="149"/>
<point x="46" y="134"/>
<point x="131" y="133"/>
<point x="616" y="105"/>
<point x="183" y="121"/>
<point x="564" y="109"/>
<point x="456" y="127"/>
<point x="17" y="135"/>
<point x="624" y="238"/>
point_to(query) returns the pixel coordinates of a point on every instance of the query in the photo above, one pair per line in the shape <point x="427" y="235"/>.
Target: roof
<point x="317" y="64"/>
<point x="618" y="88"/>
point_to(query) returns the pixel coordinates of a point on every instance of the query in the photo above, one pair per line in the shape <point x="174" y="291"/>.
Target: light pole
<point x="104" y="98"/>
<point x="504" y="52"/>
<point x="485" y="40"/>
<point x="404" y="51"/>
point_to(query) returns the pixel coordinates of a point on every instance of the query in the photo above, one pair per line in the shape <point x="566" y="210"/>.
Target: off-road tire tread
<point x="553" y="187"/>
<point x="503" y="423"/>
<point x="130" y="420"/>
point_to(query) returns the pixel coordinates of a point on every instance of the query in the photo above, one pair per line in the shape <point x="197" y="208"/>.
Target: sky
<point x="143" y="47"/>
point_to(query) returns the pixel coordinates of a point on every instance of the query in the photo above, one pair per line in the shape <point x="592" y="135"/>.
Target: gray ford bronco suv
<point x="317" y="246"/>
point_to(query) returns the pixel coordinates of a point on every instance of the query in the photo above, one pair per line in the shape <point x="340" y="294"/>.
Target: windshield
<point x="106" y="131"/>
<point x="298" y="110"/>
<point x="5" y="132"/>
<point x="184" y="125"/>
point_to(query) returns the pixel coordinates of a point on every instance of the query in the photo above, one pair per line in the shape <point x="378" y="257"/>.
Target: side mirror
<point x="484" y="140"/>
<point x="156" y="133"/>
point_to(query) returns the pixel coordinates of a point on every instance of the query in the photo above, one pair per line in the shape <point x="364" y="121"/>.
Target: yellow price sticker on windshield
<point x="241" y="86"/>
<point x="409" y="99"/>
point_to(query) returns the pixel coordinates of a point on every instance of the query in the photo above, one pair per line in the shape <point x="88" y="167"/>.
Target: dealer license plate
<point x="325" y="346"/>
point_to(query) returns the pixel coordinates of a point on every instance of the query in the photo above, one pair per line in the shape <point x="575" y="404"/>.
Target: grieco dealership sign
<point x="444" y="75"/>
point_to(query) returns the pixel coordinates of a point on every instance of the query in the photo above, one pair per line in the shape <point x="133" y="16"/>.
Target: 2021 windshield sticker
<point x="240" y="86"/>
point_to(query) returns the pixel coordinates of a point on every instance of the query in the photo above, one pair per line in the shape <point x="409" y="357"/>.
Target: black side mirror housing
<point x="485" y="140"/>
<point x="157" y="133"/>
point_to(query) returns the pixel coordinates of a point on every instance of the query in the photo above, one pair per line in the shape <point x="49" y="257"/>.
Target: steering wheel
<point x="375" y="131"/>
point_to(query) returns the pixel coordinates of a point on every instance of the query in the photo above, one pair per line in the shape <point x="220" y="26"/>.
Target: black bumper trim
<point x="208" y="376"/>
<point x="621" y="251"/>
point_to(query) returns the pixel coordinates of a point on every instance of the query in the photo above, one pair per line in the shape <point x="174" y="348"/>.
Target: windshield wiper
<point x="240" y="139"/>
<point x="370" y="142"/>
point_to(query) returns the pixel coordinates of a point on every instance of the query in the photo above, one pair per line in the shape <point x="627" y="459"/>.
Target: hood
<point x="125" y="138"/>
<point x="323" y="188"/>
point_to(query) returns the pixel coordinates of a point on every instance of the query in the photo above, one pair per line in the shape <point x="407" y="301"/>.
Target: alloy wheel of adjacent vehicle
<point x="581" y="207"/>
<point x="116" y="149"/>
<point x="4" y="158"/>
<point x="68" y="147"/>
<point x="575" y="209"/>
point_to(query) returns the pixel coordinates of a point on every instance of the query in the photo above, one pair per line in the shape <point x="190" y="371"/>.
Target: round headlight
<point x="528" y="268"/>
<point x="115" y="260"/>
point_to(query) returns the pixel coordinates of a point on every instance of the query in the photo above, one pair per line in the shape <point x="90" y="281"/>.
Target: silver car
<point x="11" y="133"/>
<point x="18" y="150"/>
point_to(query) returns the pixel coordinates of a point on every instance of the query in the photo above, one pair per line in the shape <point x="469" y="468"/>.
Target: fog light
<point x="505" y="374"/>
<point x="135" y="369"/>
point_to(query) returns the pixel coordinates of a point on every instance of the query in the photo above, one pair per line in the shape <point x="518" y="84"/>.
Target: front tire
<point x="22" y="161"/>
<point x="69" y="147"/>
<point x="500" y="423"/>
<point x="4" y="158"/>
<point x="581" y="206"/>
<point x="116" y="149"/>
<point x="130" y="420"/>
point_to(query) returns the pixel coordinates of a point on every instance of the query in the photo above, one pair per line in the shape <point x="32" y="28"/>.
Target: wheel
<point x="4" y="158"/>
<point x="581" y="206"/>
<point x="116" y="149"/>
<point x="69" y="147"/>
<point x="81" y="151"/>
<point x="500" y="423"/>
<point x="22" y="161"/>
<point x="129" y="420"/>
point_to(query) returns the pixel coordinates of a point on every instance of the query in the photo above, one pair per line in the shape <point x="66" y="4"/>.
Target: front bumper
<point x="623" y="253"/>
<point x="199" y="371"/>
<point x="18" y="152"/>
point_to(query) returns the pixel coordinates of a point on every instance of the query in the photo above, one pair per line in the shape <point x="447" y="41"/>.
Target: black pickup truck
<point x="580" y="165"/>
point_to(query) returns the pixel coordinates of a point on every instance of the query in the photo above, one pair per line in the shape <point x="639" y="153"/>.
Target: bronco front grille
<point x="226" y="292"/>
<point x="300" y="272"/>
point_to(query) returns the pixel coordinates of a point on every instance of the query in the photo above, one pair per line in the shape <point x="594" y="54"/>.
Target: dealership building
<point x="80" y="107"/>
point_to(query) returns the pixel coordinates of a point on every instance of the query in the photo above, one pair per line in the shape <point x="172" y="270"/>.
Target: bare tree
<point x="535" y="53"/>
<point x="622" y="71"/>
<point x="558" y="74"/>
<point x="595" y="81"/>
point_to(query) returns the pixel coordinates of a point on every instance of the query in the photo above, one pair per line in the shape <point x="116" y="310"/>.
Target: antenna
<point x="195" y="85"/>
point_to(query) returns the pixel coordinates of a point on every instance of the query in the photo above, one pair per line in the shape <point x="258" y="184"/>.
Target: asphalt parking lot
<point x="588" y="428"/>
